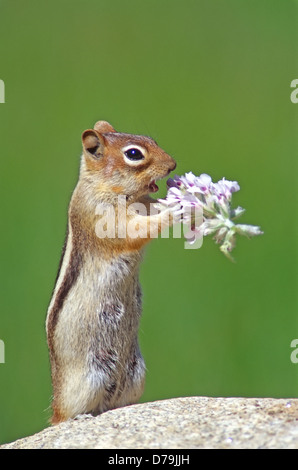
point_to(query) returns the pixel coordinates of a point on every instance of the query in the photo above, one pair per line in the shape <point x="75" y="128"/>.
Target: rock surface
<point x="178" y="423"/>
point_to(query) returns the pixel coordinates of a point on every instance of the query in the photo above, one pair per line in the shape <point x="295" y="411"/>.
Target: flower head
<point x="189" y="194"/>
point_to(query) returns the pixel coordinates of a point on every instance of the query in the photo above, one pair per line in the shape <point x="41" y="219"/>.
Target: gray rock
<point x="179" y="423"/>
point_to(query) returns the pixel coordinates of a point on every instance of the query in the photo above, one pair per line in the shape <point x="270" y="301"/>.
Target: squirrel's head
<point x="123" y="163"/>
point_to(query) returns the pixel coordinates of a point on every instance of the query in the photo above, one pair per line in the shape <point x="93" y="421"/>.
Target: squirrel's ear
<point x="93" y="143"/>
<point x="103" y="126"/>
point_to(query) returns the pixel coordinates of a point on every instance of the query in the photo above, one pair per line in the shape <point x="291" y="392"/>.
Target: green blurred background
<point x="210" y="81"/>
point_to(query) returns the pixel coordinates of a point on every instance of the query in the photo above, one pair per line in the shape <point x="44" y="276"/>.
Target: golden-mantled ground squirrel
<point x="93" y="317"/>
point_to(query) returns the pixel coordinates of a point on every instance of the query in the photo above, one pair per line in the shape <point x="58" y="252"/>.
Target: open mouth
<point x="153" y="188"/>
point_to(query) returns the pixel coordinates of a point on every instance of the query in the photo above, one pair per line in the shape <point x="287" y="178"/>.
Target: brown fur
<point x="93" y="317"/>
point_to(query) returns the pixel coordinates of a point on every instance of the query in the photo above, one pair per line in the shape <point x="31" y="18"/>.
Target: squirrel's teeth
<point x="153" y="188"/>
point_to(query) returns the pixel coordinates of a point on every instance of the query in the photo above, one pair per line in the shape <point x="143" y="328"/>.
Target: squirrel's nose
<point x="172" y="166"/>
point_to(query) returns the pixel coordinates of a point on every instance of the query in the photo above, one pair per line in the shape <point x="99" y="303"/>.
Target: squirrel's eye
<point x="134" y="154"/>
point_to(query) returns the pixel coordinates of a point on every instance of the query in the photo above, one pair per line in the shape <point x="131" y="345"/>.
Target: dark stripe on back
<point x="62" y="256"/>
<point x="70" y="277"/>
